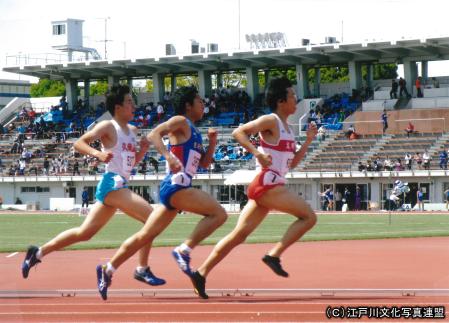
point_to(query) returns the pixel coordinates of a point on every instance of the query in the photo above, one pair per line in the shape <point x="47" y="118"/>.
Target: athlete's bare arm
<point x="264" y="125"/>
<point x="179" y="131"/>
<point x="144" y="144"/>
<point x="299" y="155"/>
<point x="206" y="159"/>
<point x="102" y="131"/>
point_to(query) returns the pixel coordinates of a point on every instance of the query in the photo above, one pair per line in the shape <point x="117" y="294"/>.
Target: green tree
<point x="98" y="88"/>
<point x="47" y="88"/>
<point x="385" y="71"/>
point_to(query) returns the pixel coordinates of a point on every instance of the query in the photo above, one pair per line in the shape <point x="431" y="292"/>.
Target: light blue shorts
<point x="110" y="182"/>
<point x="171" y="184"/>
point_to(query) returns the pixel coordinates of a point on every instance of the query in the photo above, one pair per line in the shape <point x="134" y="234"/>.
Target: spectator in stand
<point x="378" y="165"/>
<point x="46" y="169"/>
<point x="22" y="167"/>
<point x="403" y="87"/>
<point x="410" y="129"/>
<point x="398" y="165"/>
<point x="350" y="132"/>
<point x="408" y="161"/>
<point x="419" y="92"/>
<point x="369" y="165"/>
<point x="321" y="134"/>
<point x="76" y="168"/>
<point x="384" y="121"/>
<point x="394" y="89"/>
<point x="443" y="159"/>
<point x="426" y="160"/>
<point x="435" y="82"/>
<point x="32" y="168"/>
<point x="418" y="160"/>
<point x="361" y="167"/>
<point x="31" y="115"/>
<point x="155" y="164"/>
<point x="388" y="164"/>
<point x="160" y="111"/>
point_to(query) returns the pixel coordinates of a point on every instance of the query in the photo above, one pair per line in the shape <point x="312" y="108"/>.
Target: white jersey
<point x="282" y="152"/>
<point x="124" y="152"/>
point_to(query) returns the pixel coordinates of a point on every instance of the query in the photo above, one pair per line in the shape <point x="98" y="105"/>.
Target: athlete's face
<point x="197" y="109"/>
<point x="127" y="109"/>
<point x="291" y="101"/>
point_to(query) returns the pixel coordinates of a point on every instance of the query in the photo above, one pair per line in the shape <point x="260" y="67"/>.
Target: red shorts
<point x="264" y="181"/>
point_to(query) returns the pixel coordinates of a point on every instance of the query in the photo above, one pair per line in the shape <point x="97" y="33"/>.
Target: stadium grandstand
<point x="352" y="149"/>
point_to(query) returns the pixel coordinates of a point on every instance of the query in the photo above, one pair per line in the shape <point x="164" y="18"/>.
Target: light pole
<point x="106" y="37"/>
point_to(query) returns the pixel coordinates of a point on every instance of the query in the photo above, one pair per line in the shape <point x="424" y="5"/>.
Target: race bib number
<point x="180" y="179"/>
<point x="128" y="160"/>
<point x="271" y="178"/>
<point x="193" y="162"/>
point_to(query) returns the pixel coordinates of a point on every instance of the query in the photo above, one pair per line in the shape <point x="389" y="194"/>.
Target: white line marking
<point x="12" y="255"/>
<point x="160" y="312"/>
<point x="232" y="303"/>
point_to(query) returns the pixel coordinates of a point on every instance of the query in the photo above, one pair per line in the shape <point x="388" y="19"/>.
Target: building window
<point x="58" y="29"/>
<point x="34" y="189"/>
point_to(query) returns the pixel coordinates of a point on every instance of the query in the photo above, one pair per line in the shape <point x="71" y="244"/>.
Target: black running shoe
<point x="30" y="260"/>
<point x="275" y="264"/>
<point x="199" y="284"/>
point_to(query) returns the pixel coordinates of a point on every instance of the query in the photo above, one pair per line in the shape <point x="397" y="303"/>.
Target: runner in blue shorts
<point x="184" y="155"/>
<point x="119" y="152"/>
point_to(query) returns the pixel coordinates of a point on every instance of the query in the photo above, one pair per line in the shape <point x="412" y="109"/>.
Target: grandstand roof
<point x="323" y="54"/>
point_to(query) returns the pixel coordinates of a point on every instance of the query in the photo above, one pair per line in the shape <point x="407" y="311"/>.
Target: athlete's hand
<point x="144" y="144"/>
<point x="174" y="164"/>
<point x="104" y="157"/>
<point x="264" y="160"/>
<point x="312" y="131"/>
<point x="212" y="134"/>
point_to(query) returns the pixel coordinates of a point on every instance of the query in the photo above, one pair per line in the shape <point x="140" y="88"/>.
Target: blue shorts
<point x="110" y="182"/>
<point x="171" y="184"/>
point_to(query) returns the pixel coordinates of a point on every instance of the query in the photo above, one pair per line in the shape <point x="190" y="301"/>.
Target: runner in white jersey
<point x="120" y="154"/>
<point x="275" y="156"/>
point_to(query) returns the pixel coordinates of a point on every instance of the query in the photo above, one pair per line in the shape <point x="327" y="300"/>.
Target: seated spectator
<point x="32" y="168"/>
<point x="443" y="159"/>
<point x="350" y="132"/>
<point x="321" y="134"/>
<point x="378" y="165"/>
<point x="417" y="158"/>
<point x="398" y="165"/>
<point x="426" y="160"/>
<point x="388" y="164"/>
<point x="361" y="167"/>
<point x="369" y="166"/>
<point x="410" y="129"/>
<point x="408" y="161"/>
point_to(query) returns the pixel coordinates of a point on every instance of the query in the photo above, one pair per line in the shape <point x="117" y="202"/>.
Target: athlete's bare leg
<point x="250" y="218"/>
<point x="95" y="220"/>
<point x="199" y="202"/>
<point x="136" y="207"/>
<point x="281" y="199"/>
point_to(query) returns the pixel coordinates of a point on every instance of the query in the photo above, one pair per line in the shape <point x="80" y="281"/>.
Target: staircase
<point x="317" y="148"/>
<point x="374" y="150"/>
<point x="440" y="143"/>
<point x="402" y="103"/>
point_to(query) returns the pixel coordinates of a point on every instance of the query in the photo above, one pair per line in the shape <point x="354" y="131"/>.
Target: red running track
<point x="418" y="263"/>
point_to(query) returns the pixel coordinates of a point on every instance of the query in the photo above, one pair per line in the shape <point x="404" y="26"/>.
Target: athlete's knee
<point x="309" y="217"/>
<point x="220" y="214"/>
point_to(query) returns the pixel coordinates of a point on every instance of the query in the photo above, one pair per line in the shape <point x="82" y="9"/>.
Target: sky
<point x="141" y="28"/>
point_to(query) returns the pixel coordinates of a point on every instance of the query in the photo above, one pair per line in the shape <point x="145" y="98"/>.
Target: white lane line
<point x="12" y="255"/>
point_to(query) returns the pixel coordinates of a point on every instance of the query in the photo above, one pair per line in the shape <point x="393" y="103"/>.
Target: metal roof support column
<point x="410" y="74"/>
<point x="424" y="70"/>
<point x="219" y="79"/>
<point x="112" y="80"/>
<point x="302" y="81"/>
<point x="316" y="83"/>
<point x="205" y="83"/>
<point x="86" y="92"/>
<point x="71" y="86"/>
<point x="355" y="75"/>
<point x="129" y="82"/>
<point x="173" y="83"/>
<point x="369" y="75"/>
<point x="252" y="86"/>
<point x="158" y="87"/>
<point x="266" y="75"/>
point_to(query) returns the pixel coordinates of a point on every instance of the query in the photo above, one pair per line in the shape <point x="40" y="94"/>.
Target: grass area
<point x="18" y="231"/>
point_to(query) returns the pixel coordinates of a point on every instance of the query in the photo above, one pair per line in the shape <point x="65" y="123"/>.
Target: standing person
<point x="184" y="155"/>
<point x="403" y="87"/>
<point x="420" y="199"/>
<point x="275" y="156"/>
<point x="1" y="202"/>
<point x="345" y="200"/>
<point x="85" y="197"/>
<point x="446" y="193"/>
<point x="120" y="154"/>
<point x="338" y="201"/>
<point x="384" y="121"/>
<point x="357" y="199"/>
<point x="160" y="111"/>
<point x="419" y="93"/>
<point x="394" y="89"/>
<point x="76" y="168"/>
<point x="443" y="159"/>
